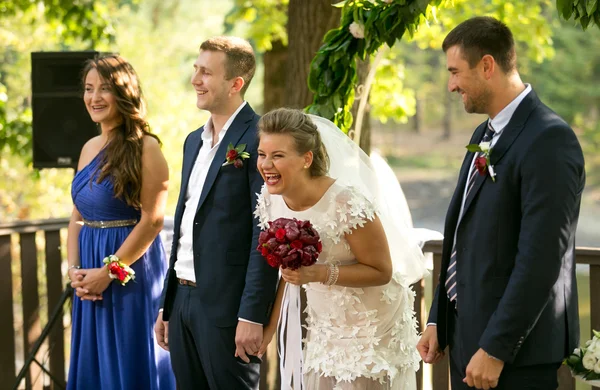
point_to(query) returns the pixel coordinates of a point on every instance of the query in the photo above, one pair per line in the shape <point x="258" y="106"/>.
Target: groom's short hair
<point x="239" y="57"/>
<point x="484" y="35"/>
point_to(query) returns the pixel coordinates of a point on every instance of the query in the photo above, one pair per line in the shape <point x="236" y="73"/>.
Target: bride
<point x="361" y="328"/>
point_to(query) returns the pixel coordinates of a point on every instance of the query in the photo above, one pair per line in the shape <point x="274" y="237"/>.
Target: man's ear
<point x="489" y="66"/>
<point x="238" y="84"/>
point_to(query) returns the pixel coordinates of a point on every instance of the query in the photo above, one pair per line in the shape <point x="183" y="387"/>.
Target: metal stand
<point x="56" y="315"/>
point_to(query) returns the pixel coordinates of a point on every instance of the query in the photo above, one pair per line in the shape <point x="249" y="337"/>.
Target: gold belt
<point x="110" y="224"/>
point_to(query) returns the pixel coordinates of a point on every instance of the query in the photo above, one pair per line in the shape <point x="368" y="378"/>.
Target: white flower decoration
<point x="589" y="361"/>
<point x="357" y="30"/>
<point x="485" y="147"/>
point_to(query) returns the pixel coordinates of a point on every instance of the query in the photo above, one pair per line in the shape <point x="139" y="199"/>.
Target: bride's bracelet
<point x="118" y="270"/>
<point x="333" y="272"/>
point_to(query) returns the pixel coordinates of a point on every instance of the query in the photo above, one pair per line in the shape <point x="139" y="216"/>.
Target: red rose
<point x="282" y="250"/>
<point x="263" y="237"/>
<point x="280" y="235"/>
<point x="297" y="244"/>
<point x="481" y="165"/>
<point x="291" y="231"/>
<point x="264" y="252"/>
<point x="273" y="261"/>
<point x="232" y="155"/>
<point x="319" y="246"/>
<point x="114" y="268"/>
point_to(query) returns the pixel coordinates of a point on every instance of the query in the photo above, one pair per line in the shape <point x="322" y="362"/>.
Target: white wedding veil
<point x="350" y="165"/>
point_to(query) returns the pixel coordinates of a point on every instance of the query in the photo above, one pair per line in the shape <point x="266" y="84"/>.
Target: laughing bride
<point x="361" y="327"/>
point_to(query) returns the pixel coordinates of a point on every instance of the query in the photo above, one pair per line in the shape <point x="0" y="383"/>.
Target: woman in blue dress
<point x="119" y="195"/>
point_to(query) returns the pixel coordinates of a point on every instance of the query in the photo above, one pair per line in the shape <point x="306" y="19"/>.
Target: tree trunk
<point x="308" y="22"/>
<point x="274" y="90"/>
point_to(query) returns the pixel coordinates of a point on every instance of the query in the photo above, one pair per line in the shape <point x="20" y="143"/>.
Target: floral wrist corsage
<point x="118" y="270"/>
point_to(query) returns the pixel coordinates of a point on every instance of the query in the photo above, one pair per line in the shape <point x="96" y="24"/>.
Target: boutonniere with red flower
<point x="236" y="155"/>
<point x="482" y="162"/>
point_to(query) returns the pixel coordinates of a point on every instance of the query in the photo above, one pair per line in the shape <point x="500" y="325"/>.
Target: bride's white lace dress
<point x="358" y="338"/>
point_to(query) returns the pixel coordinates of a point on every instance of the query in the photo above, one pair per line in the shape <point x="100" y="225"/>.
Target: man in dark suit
<point x="506" y="302"/>
<point x="219" y="290"/>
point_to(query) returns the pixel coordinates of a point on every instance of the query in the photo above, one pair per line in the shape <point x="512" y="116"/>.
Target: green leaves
<point x="583" y="12"/>
<point x="332" y="74"/>
<point x="473" y="148"/>
<point x="267" y="20"/>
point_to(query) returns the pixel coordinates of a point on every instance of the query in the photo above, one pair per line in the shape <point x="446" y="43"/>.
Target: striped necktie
<point x="451" y="272"/>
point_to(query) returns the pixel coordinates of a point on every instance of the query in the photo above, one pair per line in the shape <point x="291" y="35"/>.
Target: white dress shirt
<point x="184" y="266"/>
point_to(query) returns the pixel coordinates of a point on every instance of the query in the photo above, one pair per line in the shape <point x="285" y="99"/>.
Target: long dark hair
<point x="122" y="156"/>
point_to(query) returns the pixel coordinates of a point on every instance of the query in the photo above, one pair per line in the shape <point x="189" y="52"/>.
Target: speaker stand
<point x="56" y="315"/>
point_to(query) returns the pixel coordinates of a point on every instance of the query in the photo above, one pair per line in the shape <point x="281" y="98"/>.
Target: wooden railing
<point x="30" y="300"/>
<point x="18" y="249"/>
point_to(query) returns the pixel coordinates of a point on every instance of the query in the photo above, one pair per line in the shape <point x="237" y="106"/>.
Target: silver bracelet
<point x="333" y="272"/>
<point x="73" y="266"/>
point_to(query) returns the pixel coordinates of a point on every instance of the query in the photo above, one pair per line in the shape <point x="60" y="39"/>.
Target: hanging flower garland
<point x="365" y="26"/>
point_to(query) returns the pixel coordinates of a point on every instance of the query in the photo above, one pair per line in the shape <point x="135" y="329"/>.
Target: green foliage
<point x="584" y="12"/>
<point x="421" y="55"/>
<point x="267" y="20"/>
<point x="528" y="21"/>
<point x="85" y="20"/>
<point x="568" y="83"/>
<point x="333" y="70"/>
<point x="389" y="97"/>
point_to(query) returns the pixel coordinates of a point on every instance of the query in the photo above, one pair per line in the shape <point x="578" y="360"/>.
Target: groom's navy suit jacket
<point x="515" y="243"/>
<point x="234" y="280"/>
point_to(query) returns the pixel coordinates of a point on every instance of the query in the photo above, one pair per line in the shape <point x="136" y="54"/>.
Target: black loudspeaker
<point x="61" y="123"/>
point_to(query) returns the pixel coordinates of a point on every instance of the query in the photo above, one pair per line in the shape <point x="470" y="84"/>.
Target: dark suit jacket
<point x="517" y="293"/>
<point x="233" y="278"/>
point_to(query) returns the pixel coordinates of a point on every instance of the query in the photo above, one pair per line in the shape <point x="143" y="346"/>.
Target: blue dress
<point x="112" y="343"/>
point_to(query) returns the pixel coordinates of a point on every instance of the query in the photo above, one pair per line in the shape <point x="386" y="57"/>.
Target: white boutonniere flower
<point x="482" y="162"/>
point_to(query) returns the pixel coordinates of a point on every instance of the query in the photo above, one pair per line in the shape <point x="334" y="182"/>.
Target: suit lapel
<point x="237" y="129"/>
<point x="190" y="162"/>
<point x="456" y="202"/>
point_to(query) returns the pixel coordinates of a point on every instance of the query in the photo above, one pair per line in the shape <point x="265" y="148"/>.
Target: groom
<point x="219" y="290"/>
<point x="506" y="302"/>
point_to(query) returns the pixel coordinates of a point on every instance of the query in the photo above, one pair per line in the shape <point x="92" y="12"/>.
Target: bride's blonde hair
<point x="304" y="132"/>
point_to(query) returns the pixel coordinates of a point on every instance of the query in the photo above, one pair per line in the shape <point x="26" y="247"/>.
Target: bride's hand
<point x="303" y="275"/>
<point x="268" y="333"/>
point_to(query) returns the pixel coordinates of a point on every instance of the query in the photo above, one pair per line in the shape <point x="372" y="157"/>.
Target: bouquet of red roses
<point x="290" y="243"/>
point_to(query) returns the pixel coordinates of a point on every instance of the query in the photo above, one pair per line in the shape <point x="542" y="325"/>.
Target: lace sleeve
<point x="352" y="210"/>
<point x="262" y="207"/>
